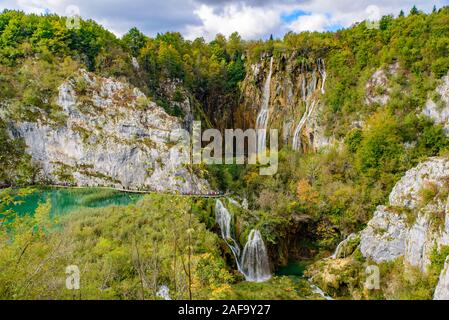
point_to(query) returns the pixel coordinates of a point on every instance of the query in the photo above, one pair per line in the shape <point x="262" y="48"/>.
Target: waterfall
<point x="255" y="259"/>
<point x="307" y="90"/>
<point x="317" y="290"/>
<point x="303" y="87"/>
<point x="296" y="144"/>
<point x="342" y="247"/>
<point x="312" y="85"/>
<point x="322" y="71"/>
<point x="223" y="219"/>
<point x="163" y="292"/>
<point x="262" y="117"/>
<point x="253" y="263"/>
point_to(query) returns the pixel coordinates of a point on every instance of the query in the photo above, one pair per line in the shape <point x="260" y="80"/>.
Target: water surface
<point x="65" y="200"/>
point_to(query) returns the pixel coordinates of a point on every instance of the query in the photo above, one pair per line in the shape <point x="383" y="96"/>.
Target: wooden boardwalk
<point x="213" y="194"/>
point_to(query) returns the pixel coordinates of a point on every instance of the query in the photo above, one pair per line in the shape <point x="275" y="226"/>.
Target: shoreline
<point x="211" y="195"/>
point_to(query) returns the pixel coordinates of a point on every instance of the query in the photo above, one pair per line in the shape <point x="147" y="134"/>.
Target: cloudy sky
<point x="253" y="19"/>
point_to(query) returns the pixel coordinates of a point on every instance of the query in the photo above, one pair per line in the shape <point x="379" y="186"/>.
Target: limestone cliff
<point x="292" y="90"/>
<point x="410" y="231"/>
<point x="416" y="219"/>
<point x="415" y="223"/>
<point x="112" y="135"/>
<point x="437" y="106"/>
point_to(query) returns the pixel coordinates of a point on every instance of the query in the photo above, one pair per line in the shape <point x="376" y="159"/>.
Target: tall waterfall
<point x="262" y="117"/>
<point x="296" y="144"/>
<point x="223" y="219"/>
<point x="308" y="89"/>
<point x="254" y="260"/>
<point x="322" y="71"/>
<point x="253" y="263"/>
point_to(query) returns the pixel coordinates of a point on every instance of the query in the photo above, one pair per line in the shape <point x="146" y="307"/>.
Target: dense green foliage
<point x="338" y="189"/>
<point x="122" y="252"/>
<point x="312" y="202"/>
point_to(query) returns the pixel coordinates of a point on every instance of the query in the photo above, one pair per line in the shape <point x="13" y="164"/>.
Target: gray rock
<point x="384" y="238"/>
<point x="113" y="136"/>
<point x="442" y="288"/>
<point x="379" y="81"/>
<point x="440" y="114"/>
<point x="406" y="192"/>
<point x="389" y="236"/>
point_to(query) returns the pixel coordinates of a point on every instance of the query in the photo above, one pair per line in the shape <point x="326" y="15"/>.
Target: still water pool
<point x="65" y="200"/>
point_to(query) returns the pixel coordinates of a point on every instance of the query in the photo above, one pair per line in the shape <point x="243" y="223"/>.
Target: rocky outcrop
<point x="179" y="99"/>
<point x="406" y="193"/>
<point x="294" y="99"/>
<point x="112" y="135"/>
<point x="415" y="223"/>
<point x="437" y="107"/>
<point x="442" y="289"/>
<point x="412" y="225"/>
<point x="377" y="89"/>
<point x="384" y="237"/>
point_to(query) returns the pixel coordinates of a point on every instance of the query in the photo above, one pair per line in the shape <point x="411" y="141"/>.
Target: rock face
<point x="413" y="225"/>
<point x="406" y="192"/>
<point x="112" y="136"/>
<point x="442" y="289"/>
<point x="295" y="90"/>
<point x="384" y="237"/>
<point x="377" y="89"/>
<point x="437" y="108"/>
<point x="409" y="227"/>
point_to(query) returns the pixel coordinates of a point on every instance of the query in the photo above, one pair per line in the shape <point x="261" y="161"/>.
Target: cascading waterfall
<point x="253" y="263"/>
<point x="307" y="90"/>
<point x="254" y="260"/>
<point x="296" y="144"/>
<point x="163" y="292"/>
<point x="322" y="71"/>
<point x="317" y="290"/>
<point x="262" y="117"/>
<point x="223" y="219"/>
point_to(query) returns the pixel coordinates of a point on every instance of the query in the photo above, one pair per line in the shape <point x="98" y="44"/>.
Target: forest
<point x="314" y="201"/>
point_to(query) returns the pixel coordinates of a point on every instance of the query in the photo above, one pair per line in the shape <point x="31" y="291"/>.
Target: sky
<point x="253" y="19"/>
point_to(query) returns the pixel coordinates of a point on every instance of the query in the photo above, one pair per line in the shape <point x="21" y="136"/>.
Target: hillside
<point x="359" y="112"/>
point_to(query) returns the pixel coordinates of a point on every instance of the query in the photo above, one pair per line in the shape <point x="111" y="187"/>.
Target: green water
<point x="64" y="200"/>
<point x="293" y="268"/>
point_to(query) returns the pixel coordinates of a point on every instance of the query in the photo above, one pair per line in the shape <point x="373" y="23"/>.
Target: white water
<point x="307" y="90"/>
<point x="337" y="250"/>
<point x="341" y="245"/>
<point x="255" y="259"/>
<point x="253" y="263"/>
<point x="223" y="218"/>
<point x="322" y="70"/>
<point x="317" y="290"/>
<point x="262" y="117"/>
<point x="164" y="292"/>
<point x="296" y="144"/>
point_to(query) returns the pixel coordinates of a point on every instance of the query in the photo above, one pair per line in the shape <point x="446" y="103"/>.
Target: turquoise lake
<point x="64" y="200"/>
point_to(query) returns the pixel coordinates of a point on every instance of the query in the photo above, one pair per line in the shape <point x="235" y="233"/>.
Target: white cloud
<point x="346" y="12"/>
<point x="253" y="19"/>
<point x="250" y="22"/>
<point x="313" y="22"/>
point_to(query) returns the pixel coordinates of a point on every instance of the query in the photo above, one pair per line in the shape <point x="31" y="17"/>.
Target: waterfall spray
<point x="296" y="144"/>
<point x="322" y="71"/>
<point x="255" y="259"/>
<point x="262" y="117"/>
<point x="223" y="219"/>
<point x="253" y="263"/>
